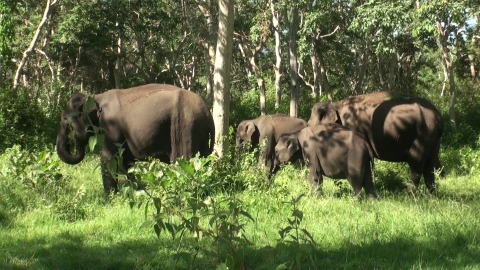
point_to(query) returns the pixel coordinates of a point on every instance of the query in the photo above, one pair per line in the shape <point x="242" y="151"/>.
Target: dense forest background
<point x="286" y="55"/>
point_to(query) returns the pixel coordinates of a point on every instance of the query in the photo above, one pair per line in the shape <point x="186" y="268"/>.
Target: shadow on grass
<point x="68" y="251"/>
<point x="396" y="254"/>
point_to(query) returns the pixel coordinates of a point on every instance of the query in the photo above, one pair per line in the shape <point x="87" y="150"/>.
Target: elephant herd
<point x="340" y="140"/>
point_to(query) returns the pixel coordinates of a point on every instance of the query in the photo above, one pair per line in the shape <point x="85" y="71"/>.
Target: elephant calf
<point x="267" y="128"/>
<point x="331" y="150"/>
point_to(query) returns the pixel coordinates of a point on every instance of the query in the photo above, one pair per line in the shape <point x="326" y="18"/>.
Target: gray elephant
<point x="399" y="129"/>
<point x="154" y="120"/>
<point x="267" y="128"/>
<point x="331" y="150"/>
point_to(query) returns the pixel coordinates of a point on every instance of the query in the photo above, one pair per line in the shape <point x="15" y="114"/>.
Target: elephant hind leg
<point x="368" y="184"/>
<point x="429" y="176"/>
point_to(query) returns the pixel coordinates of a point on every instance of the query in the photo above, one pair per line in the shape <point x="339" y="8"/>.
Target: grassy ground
<point x="398" y="231"/>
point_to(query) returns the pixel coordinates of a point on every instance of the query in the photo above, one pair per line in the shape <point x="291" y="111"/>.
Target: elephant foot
<point x="412" y="188"/>
<point x="316" y="191"/>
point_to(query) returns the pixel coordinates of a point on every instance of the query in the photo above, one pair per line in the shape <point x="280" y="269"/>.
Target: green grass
<point x="398" y="231"/>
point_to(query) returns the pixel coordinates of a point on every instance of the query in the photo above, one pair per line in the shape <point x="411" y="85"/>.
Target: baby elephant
<point x="331" y="150"/>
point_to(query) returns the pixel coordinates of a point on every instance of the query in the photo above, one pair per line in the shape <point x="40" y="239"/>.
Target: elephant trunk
<point x="64" y="147"/>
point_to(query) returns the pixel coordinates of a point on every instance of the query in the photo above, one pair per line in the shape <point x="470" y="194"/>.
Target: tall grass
<point x="79" y="229"/>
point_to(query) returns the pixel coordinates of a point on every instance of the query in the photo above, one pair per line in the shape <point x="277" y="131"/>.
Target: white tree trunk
<point x="293" y="61"/>
<point x="278" y="57"/>
<point x="221" y="77"/>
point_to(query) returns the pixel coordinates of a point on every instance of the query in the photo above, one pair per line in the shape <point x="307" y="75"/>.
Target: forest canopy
<point x="286" y="54"/>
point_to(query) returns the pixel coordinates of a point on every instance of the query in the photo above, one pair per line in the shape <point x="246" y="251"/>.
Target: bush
<point x="23" y="121"/>
<point x="30" y="180"/>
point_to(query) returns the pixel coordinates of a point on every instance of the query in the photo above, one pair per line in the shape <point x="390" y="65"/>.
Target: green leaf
<point x="298" y="214"/>
<point x="282" y="266"/>
<point x="296" y="200"/>
<point x="157" y="230"/>
<point x="222" y="266"/>
<point x="246" y="214"/>
<point x="147" y="224"/>
<point x="309" y="236"/>
<point x="89" y="104"/>
<point x="186" y="166"/>
<point x="92" y="141"/>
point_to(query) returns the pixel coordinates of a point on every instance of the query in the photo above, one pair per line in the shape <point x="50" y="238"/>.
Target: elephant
<point x="331" y="150"/>
<point x="154" y="120"/>
<point x="398" y="128"/>
<point x="269" y="128"/>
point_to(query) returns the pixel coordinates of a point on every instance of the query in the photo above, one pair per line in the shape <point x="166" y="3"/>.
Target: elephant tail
<point x="212" y="135"/>
<point x="371" y="162"/>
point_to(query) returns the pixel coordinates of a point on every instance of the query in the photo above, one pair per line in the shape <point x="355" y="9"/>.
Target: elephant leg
<point x="429" y="176"/>
<point x="316" y="181"/>
<point x="415" y="176"/>
<point x="109" y="182"/>
<point x="356" y="183"/>
<point x="368" y="184"/>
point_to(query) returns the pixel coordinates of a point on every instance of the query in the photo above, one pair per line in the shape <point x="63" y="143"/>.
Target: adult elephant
<point x="154" y="120"/>
<point x="399" y="129"/>
<point x="267" y="129"/>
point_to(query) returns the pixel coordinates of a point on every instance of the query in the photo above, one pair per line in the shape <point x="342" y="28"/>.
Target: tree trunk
<point x="249" y="55"/>
<point x="325" y="84"/>
<point x="221" y="78"/>
<point x="316" y="83"/>
<point x="34" y="41"/>
<point x="209" y="46"/>
<point x="293" y="61"/>
<point x="448" y="68"/>
<point x="117" y="72"/>
<point x="278" y="57"/>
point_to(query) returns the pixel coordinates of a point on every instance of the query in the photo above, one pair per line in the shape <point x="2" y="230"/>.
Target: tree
<point x="34" y="41"/>
<point x="221" y="78"/>
<point x="293" y="59"/>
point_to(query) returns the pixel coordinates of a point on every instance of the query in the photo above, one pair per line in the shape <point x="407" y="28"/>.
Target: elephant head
<point x="247" y="131"/>
<point x="323" y="114"/>
<point x="73" y="123"/>
<point x="287" y="148"/>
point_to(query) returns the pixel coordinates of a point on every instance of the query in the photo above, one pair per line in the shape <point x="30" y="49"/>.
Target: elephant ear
<point x="323" y="114"/>
<point x="252" y="132"/>
<point x="250" y="128"/>
<point x="294" y="145"/>
<point x="330" y="114"/>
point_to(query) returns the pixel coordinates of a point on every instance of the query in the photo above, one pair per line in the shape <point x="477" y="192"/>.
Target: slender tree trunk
<point x="278" y="56"/>
<point x="221" y="78"/>
<point x="293" y="61"/>
<point x="209" y="46"/>
<point x="249" y="55"/>
<point x="316" y="83"/>
<point x="473" y="71"/>
<point x="117" y="72"/>
<point x="34" y="41"/>
<point x="326" y="88"/>
<point x="448" y="68"/>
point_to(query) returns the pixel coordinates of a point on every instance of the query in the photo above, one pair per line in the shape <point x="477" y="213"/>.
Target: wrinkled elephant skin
<point x="154" y="120"/>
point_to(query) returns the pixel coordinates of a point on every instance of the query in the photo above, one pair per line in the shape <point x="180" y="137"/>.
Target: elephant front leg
<point x="316" y="181"/>
<point x="109" y="182"/>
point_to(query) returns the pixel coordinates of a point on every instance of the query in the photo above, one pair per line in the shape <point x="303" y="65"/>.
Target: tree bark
<point x="34" y="41"/>
<point x="448" y="68"/>
<point x="278" y="57"/>
<point x="250" y="60"/>
<point x="221" y="78"/>
<point x="293" y="61"/>
<point x="209" y="46"/>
